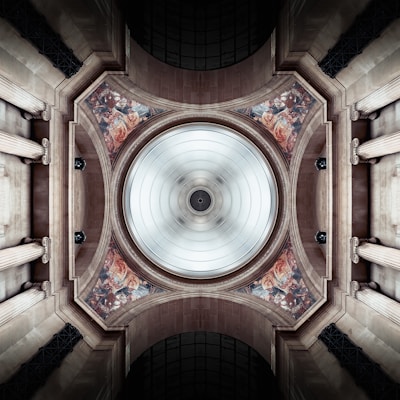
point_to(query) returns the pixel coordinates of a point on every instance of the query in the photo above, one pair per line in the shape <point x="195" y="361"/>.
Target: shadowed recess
<point x="201" y="35"/>
<point x="200" y="365"/>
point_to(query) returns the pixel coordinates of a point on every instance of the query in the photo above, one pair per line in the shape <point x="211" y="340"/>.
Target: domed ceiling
<point x="200" y="201"/>
<point x="222" y="201"/>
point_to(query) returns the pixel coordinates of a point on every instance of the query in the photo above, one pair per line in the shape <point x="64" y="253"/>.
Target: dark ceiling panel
<point x="201" y="35"/>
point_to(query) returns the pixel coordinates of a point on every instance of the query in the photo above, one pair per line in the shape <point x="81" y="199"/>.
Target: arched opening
<point x="200" y="365"/>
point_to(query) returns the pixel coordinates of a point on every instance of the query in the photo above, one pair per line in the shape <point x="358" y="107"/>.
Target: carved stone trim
<point x="356" y="114"/>
<point x="354" y="288"/>
<point x="46" y="288"/>
<point x="46" y="155"/>
<point x="355" y="158"/>
<point x="354" y="243"/>
<point x="46" y="244"/>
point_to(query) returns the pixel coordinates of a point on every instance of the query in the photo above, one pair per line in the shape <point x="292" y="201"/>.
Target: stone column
<point x="26" y="148"/>
<point x="16" y="305"/>
<point x="378" y="254"/>
<point x="19" y="255"/>
<point x="377" y="301"/>
<point x="378" y="147"/>
<point x="376" y="100"/>
<point x="20" y="98"/>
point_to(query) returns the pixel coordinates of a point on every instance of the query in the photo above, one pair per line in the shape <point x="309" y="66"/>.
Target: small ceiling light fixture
<point x="320" y="163"/>
<point x="320" y="237"/>
<point x="80" y="237"/>
<point x="80" y="163"/>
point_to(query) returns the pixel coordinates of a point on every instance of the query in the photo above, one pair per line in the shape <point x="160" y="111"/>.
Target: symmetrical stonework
<point x="117" y="116"/>
<point x="117" y="285"/>
<point x="283" y="116"/>
<point x="283" y="285"/>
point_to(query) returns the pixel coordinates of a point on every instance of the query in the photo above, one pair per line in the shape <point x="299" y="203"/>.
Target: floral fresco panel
<point x="283" y="115"/>
<point x="117" y="285"/>
<point x="117" y="115"/>
<point x="283" y="285"/>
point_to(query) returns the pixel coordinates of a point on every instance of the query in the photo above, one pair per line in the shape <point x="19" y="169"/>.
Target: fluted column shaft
<point x="19" y="97"/>
<point x="16" y="305"/>
<point x="20" y="146"/>
<point x="380" y="146"/>
<point x="379" y="98"/>
<point x="377" y="301"/>
<point x="378" y="254"/>
<point x="19" y="255"/>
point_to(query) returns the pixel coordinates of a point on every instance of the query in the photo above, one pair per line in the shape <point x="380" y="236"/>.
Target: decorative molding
<point x="46" y="288"/>
<point x="354" y="243"/>
<point x="46" y="155"/>
<point x="355" y="158"/>
<point x="354" y="288"/>
<point x="46" y="244"/>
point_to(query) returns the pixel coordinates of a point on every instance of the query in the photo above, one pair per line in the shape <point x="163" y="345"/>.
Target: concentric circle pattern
<point x="200" y="200"/>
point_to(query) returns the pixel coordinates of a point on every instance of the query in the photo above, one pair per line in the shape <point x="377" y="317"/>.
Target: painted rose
<point x="268" y="119"/>
<point x="282" y="129"/>
<point x="132" y="281"/>
<point x="119" y="131"/>
<point x="268" y="281"/>
<point x="132" y="119"/>
<point x="282" y="269"/>
<point x="118" y="269"/>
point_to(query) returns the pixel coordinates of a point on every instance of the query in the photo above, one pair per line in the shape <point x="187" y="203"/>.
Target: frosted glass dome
<point x="200" y="200"/>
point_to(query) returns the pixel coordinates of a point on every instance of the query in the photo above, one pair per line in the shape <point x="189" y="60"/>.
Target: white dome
<point x="200" y="200"/>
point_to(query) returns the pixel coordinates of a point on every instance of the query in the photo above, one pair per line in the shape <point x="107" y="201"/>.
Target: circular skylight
<point x="200" y="200"/>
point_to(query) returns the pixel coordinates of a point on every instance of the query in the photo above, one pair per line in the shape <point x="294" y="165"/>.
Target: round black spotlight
<point x="80" y="237"/>
<point x="79" y="163"/>
<point x="200" y="200"/>
<point x="320" y="237"/>
<point x="320" y="163"/>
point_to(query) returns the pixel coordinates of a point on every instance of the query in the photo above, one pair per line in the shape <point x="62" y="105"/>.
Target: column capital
<point x="46" y="244"/>
<point x="46" y="288"/>
<point x="356" y="114"/>
<point x="354" y="243"/>
<point x="46" y="155"/>
<point x="354" y="288"/>
<point x="354" y="157"/>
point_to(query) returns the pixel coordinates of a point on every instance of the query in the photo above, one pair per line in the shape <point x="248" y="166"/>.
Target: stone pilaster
<point x="377" y="301"/>
<point x="19" y="255"/>
<point x="26" y="148"/>
<point x="16" y="305"/>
